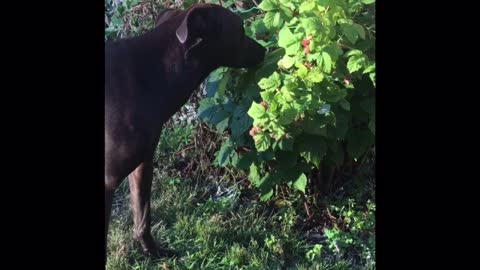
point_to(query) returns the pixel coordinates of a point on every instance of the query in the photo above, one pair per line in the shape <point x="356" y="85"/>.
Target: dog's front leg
<point x="140" y="182"/>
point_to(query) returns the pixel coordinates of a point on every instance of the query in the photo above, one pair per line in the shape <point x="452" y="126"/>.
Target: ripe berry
<point x="264" y="104"/>
<point x="305" y="42"/>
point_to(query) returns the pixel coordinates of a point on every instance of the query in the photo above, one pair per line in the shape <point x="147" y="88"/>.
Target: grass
<point x="214" y="221"/>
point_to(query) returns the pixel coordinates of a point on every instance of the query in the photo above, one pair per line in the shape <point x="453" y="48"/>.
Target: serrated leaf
<point x="369" y="69"/>
<point x="254" y="175"/>
<point x="270" y="83"/>
<point x="326" y="62"/>
<point x="208" y="107"/>
<point x="315" y="75"/>
<point x="266" y="195"/>
<point x="257" y="111"/>
<point x="360" y="30"/>
<point x="262" y="142"/>
<point x="350" y="32"/>
<point x="313" y="56"/>
<point x="218" y="116"/>
<point x="311" y="25"/>
<point x="267" y="95"/>
<point x="356" y="62"/>
<point x="268" y="19"/>
<point x="312" y="147"/>
<point x="211" y="88"/>
<point x="287" y="62"/>
<point x="222" y="125"/>
<point x="223" y="156"/>
<point x="240" y="123"/>
<point x="268" y="5"/>
<point x="316" y="125"/>
<point x="277" y="20"/>
<point x="353" y="52"/>
<point x="332" y="93"/>
<point x="286" y="37"/>
<point x="300" y="183"/>
<point x="287" y="115"/>
<point x="245" y="161"/>
<point x="307" y="6"/>
<point x="323" y="3"/>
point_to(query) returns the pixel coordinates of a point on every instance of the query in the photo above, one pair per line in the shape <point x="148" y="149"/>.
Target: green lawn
<point x="214" y="220"/>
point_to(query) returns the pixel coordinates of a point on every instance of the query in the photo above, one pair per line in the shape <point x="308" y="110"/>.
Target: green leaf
<point x="327" y="62"/>
<point x="368" y="1"/>
<point x="268" y="5"/>
<point x="262" y="142"/>
<point x="315" y="75"/>
<point x="240" y="122"/>
<point x="268" y="19"/>
<point x="254" y="175"/>
<point x="332" y="93"/>
<point x="315" y="125"/>
<point x="323" y="3"/>
<point x="354" y="52"/>
<point x="277" y="20"/>
<point x="267" y="95"/>
<point x="207" y="109"/>
<point x="218" y="117"/>
<point x="287" y="115"/>
<point x="311" y="25"/>
<point x="286" y="38"/>
<point x="350" y="32"/>
<point x="287" y="62"/>
<point x="257" y="111"/>
<point x="270" y="83"/>
<point x="307" y="6"/>
<point x="356" y="62"/>
<point x="266" y="195"/>
<point x="369" y="69"/>
<point x="245" y="161"/>
<point x="222" y="125"/>
<point x="300" y="183"/>
<point x="360" y="30"/>
<point x="222" y="158"/>
<point x="223" y="85"/>
<point x="312" y="147"/>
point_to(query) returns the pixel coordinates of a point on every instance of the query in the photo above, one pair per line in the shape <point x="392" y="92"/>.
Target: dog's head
<point x="217" y="33"/>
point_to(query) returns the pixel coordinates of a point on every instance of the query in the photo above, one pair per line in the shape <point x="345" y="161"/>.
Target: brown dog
<point x="147" y="79"/>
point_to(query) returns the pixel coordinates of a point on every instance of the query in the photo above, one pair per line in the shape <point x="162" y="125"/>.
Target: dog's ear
<point x="193" y="25"/>
<point x="165" y="15"/>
